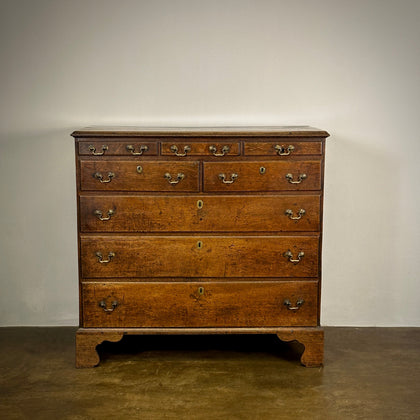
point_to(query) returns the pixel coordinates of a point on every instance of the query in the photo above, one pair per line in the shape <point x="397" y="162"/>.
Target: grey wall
<point x="350" y="67"/>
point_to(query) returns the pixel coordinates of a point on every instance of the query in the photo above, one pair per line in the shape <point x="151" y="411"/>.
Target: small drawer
<point x="128" y="175"/>
<point x="205" y="213"/>
<point x="128" y="147"/>
<point x="191" y="148"/>
<point x="287" y="147"/>
<point x="199" y="256"/>
<point x="302" y="175"/>
<point x="200" y="304"/>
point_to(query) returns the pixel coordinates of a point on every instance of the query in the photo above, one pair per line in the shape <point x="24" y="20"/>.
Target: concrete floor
<point x="369" y="373"/>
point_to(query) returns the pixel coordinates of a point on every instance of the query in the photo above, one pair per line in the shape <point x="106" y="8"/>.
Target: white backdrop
<point x="349" y="67"/>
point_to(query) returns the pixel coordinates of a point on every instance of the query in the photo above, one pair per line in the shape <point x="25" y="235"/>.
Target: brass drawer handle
<point x="111" y="255"/>
<point x="289" y="213"/>
<point x="284" y="151"/>
<point x="301" y="177"/>
<point x="98" y="214"/>
<point x="179" y="178"/>
<point x="288" y="254"/>
<point x="104" y="306"/>
<point x="143" y="148"/>
<point x="92" y="149"/>
<point x="233" y="178"/>
<point x="289" y="306"/>
<point x="99" y="176"/>
<point x="174" y="149"/>
<point x="224" y="151"/>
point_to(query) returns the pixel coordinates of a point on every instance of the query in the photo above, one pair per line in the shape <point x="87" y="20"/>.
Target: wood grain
<point x="127" y="178"/>
<point x="274" y="179"/>
<point x="219" y="213"/>
<point x="118" y="148"/>
<point x="199" y="148"/>
<point x="180" y="256"/>
<point x="229" y="304"/>
<point x="267" y="148"/>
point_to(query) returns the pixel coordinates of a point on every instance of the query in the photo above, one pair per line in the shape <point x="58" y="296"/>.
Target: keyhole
<point x="262" y="170"/>
<point x="201" y="290"/>
<point x="139" y="169"/>
<point x="200" y="204"/>
<point x="199" y="244"/>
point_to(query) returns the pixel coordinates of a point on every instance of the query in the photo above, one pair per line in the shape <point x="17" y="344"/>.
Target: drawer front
<point x="222" y="213"/>
<point x="212" y="148"/>
<point x="129" y="147"/>
<point x="129" y="175"/>
<point x="199" y="256"/>
<point x="282" y="148"/>
<point x="262" y="176"/>
<point x="193" y="304"/>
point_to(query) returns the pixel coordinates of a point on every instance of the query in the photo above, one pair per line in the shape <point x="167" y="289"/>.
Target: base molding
<point x="87" y="339"/>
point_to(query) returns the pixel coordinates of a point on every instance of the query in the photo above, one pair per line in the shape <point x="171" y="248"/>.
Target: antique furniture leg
<point x="312" y="339"/>
<point x="86" y="343"/>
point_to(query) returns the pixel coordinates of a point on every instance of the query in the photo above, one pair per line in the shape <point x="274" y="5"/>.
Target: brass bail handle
<point x="143" y="148"/>
<point x="300" y="213"/>
<point x="301" y="177"/>
<point x="92" y="150"/>
<point x="289" y="306"/>
<point x="98" y="214"/>
<point x="224" y="151"/>
<point x="284" y="151"/>
<point x="174" y="149"/>
<point x="104" y="306"/>
<point x="101" y="179"/>
<point x="179" y="178"/>
<point x="233" y="178"/>
<point x="288" y="254"/>
<point x="111" y="255"/>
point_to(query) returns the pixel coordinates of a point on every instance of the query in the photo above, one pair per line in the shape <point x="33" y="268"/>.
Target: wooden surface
<point x="218" y="213"/>
<point x="200" y="148"/>
<point x="274" y="179"/>
<point x="278" y="131"/>
<point x="180" y="256"/>
<point x="169" y="240"/>
<point x="266" y="148"/>
<point x="230" y="304"/>
<point x="118" y="147"/>
<point x="127" y="178"/>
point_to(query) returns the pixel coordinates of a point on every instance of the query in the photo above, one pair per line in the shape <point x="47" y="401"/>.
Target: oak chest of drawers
<point x="199" y="231"/>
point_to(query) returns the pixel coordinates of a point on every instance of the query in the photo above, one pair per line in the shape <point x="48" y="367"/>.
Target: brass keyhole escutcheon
<point x="201" y="291"/>
<point x="199" y="244"/>
<point x="200" y="204"/>
<point x="139" y="169"/>
<point x="262" y="170"/>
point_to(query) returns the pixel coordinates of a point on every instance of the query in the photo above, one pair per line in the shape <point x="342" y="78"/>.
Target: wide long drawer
<point x="219" y="213"/>
<point x="199" y="256"/>
<point x="288" y="175"/>
<point x="193" y="304"/>
<point x="131" y="175"/>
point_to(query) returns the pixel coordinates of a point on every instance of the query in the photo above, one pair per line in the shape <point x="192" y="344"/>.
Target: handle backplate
<point x="233" y="178"/>
<point x="284" y="151"/>
<point x="179" y="178"/>
<point x="174" y="150"/>
<point x="92" y="150"/>
<point x="98" y="214"/>
<point x="301" y="177"/>
<point x="288" y="254"/>
<point x="289" y="306"/>
<point x="143" y="148"/>
<point x="223" y="152"/>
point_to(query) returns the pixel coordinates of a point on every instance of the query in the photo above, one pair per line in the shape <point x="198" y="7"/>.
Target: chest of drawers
<point x="199" y="231"/>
